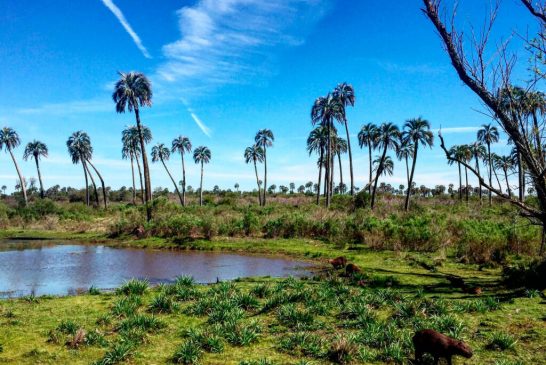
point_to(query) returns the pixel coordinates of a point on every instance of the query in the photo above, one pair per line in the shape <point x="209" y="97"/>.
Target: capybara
<point x="139" y="232"/>
<point x="352" y="269"/>
<point x="438" y="345"/>
<point x="338" y="262"/>
<point x="476" y="290"/>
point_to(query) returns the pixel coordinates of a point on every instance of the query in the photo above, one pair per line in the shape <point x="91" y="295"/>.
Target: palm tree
<point x="416" y="131"/>
<point x="264" y="138"/>
<point x="162" y="153"/>
<point x="488" y="134"/>
<point x="340" y="146"/>
<point x="202" y="155"/>
<point x="535" y="104"/>
<point x="459" y="154"/>
<point x="182" y="145"/>
<point x="346" y="95"/>
<point x="368" y="137"/>
<point x="131" y="139"/>
<point x="127" y="153"/>
<point x="325" y="110"/>
<point x="478" y="152"/>
<point x="316" y="142"/>
<point x="388" y="165"/>
<point x="79" y="148"/>
<point x="255" y="154"/>
<point x="405" y="151"/>
<point x="466" y="156"/>
<point x="9" y="139"/>
<point x="36" y="149"/>
<point x="132" y="91"/>
<point x="387" y="138"/>
<point x="505" y="163"/>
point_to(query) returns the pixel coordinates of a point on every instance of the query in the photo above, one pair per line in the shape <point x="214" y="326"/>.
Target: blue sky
<point x="221" y="70"/>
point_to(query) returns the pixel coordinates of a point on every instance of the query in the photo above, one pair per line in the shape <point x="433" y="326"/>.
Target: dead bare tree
<point x="488" y="75"/>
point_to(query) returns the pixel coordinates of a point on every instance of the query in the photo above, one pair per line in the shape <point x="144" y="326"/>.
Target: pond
<point x="54" y="268"/>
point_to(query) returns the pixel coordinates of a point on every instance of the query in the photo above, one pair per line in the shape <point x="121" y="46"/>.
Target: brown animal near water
<point x="352" y="269"/>
<point x="338" y="262"/>
<point x="438" y="345"/>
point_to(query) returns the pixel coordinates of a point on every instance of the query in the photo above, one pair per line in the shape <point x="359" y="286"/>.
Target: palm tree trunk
<point x="87" y="202"/>
<point x="174" y="183"/>
<point x="479" y="175"/>
<point x="377" y="174"/>
<point x="258" y="183"/>
<point x="328" y="160"/>
<point x="350" y="160"/>
<point x="413" y="163"/>
<point x="320" y="174"/>
<point x="147" y="182"/>
<point x="39" y="177"/>
<point x="201" y="187"/>
<point x="21" y="178"/>
<point x="183" y="180"/>
<point x="101" y="183"/>
<point x="265" y="174"/>
<point x="332" y="166"/>
<point x="370" y="157"/>
<point x="497" y="177"/>
<point x="490" y="173"/>
<point x="407" y="172"/>
<point x="133" y="176"/>
<point x="507" y="184"/>
<point x="340" y="174"/>
<point x="141" y="181"/>
<point x="466" y="175"/>
<point x="92" y="183"/>
<point x="520" y="176"/>
<point x="460" y="183"/>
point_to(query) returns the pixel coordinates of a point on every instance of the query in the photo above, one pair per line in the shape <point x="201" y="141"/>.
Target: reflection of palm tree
<point x="36" y="149"/>
<point x="162" y="153"/>
<point x="201" y="155"/>
<point x="182" y="145"/>
<point x="255" y="154"/>
<point x="132" y="91"/>
<point x="9" y="139"/>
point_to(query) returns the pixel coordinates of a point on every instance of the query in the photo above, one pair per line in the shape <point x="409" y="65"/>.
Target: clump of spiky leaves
<point x="342" y="350"/>
<point x="126" y="306"/>
<point x="303" y="343"/>
<point x="133" y="287"/>
<point x="261" y="290"/>
<point x="263" y="361"/>
<point x="501" y="341"/>
<point x="392" y="353"/>
<point x="189" y="353"/>
<point x="142" y="322"/>
<point x="185" y="281"/>
<point x="246" y="301"/>
<point x="210" y="342"/>
<point x="238" y="333"/>
<point x="93" y="290"/>
<point x="96" y="338"/>
<point x="291" y="316"/>
<point x="162" y="303"/>
<point x="120" y="351"/>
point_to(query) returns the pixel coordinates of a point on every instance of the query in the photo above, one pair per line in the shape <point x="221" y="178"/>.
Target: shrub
<point x="188" y="353"/>
<point x="342" y="350"/>
<point x="501" y="341"/>
<point x="162" y="303"/>
<point x="126" y="306"/>
<point x="118" y="353"/>
<point x="133" y="287"/>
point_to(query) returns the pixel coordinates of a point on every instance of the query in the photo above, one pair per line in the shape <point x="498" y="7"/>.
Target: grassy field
<point x="326" y="319"/>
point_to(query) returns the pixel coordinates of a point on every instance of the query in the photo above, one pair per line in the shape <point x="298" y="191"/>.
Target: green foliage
<point x="501" y="341"/>
<point x="133" y="287"/>
<point x="189" y="353"/>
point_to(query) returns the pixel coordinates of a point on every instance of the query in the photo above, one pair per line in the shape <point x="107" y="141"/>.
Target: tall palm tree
<point x="535" y="105"/>
<point x="340" y="146"/>
<point x="325" y="110"/>
<point x="255" y="154"/>
<point x="416" y="132"/>
<point x="127" y="153"/>
<point x="162" y="153"/>
<point x="466" y="156"/>
<point x="202" y="155"/>
<point x="505" y="163"/>
<point x="488" y="134"/>
<point x="317" y="142"/>
<point x="131" y="138"/>
<point x="478" y="152"/>
<point x="79" y="148"/>
<point x="387" y="138"/>
<point x="132" y="91"/>
<point x="9" y="139"/>
<point x="182" y="145"/>
<point x="264" y="138"/>
<point x="388" y="165"/>
<point x="367" y="137"/>
<point x="346" y="95"/>
<point x="405" y="152"/>
<point x="36" y="149"/>
<point x="458" y="153"/>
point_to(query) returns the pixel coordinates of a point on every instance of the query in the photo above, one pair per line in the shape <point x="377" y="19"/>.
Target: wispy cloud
<point x="196" y="119"/>
<point x="422" y="68"/>
<point x="229" y="41"/>
<point x="70" y="107"/>
<point x="119" y="15"/>
<point x="451" y="130"/>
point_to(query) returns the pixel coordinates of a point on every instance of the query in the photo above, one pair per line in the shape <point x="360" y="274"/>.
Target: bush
<point x="133" y="287"/>
<point x="188" y="353"/>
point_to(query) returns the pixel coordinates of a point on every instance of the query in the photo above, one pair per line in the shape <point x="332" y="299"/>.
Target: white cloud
<point x="70" y="108"/>
<point x="229" y="41"/>
<point x="119" y="15"/>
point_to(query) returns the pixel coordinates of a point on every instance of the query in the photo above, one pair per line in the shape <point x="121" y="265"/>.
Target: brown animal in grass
<point x="78" y="339"/>
<point x="139" y="232"/>
<point x="438" y="345"/>
<point x="352" y="269"/>
<point x="338" y="262"/>
<point x="476" y="290"/>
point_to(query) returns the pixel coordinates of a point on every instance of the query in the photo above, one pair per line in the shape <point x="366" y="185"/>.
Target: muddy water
<point x="53" y="268"/>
